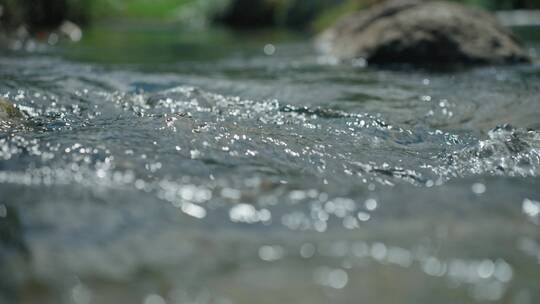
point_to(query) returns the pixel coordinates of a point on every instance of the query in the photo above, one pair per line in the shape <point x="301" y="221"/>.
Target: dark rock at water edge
<point x="422" y="32"/>
<point x="37" y="15"/>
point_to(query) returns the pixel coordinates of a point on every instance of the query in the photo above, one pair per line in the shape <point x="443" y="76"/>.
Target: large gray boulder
<point x="422" y="32"/>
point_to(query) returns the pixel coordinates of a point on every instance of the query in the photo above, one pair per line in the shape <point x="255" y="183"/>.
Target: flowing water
<point x="163" y="167"/>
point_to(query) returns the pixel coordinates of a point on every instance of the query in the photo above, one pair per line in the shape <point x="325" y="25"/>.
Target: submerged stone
<point x="422" y="32"/>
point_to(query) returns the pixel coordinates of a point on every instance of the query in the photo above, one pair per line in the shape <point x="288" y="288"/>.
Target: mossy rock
<point x="8" y="112"/>
<point x="424" y="33"/>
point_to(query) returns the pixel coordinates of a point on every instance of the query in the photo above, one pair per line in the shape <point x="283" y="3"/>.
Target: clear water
<point x="164" y="167"/>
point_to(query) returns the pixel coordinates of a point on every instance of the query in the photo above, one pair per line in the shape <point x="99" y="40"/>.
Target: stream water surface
<point x="163" y="167"/>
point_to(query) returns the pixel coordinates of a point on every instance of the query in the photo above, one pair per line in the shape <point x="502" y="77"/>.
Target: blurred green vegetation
<point x="298" y="14"/>
<point x="137" y="8"/>
<point x="292" y="13"/>
<point x="131" y="45"/>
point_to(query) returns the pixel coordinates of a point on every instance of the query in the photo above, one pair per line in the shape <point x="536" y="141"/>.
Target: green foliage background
<point x="314" y="14"/>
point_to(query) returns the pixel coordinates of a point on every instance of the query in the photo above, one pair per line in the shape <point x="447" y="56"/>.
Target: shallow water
<point x="161" y="167"/>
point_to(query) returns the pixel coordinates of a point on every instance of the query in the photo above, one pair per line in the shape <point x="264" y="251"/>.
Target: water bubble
<point x="363" y="216"/>
<point x="251" y="153"/>
<point x="478" y="188"/>
<point x="328" y="60"/>
<point x="231" y="193"/>
<point x="320" y="226"/>
<point x="338" y="278"/>
<point x="371" y="204"/>
<point x="399" y="256"/>
<point x="265" y="216"/>
<point x="194" y="210"/>
<point x="307" y="250"/>
<point x="101" y="173"/>
<point x="195" y="154"/>
<point x="71" y="30"/>
<point x="271" y="253"/>
<point x="269" y="49"/>
<point x="503" y="271"/>
<point x="154" y="299"/>
<point x="140" y="184"/>
<point x="530" y="208"/>
<point x="350" y="222"/>
<point x="245" y="213"/>
<point x="297" y="195"/>
<point x="359" y="62"/>
<point x="432" y="266"/>
<point x="53" y="39"/>
<point x="378" y="251"/>
<point x="334" y="278"/>
<point x="486" y="269"/>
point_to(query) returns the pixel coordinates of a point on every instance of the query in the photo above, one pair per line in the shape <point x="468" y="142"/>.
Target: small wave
<point x="506" y="151"/>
